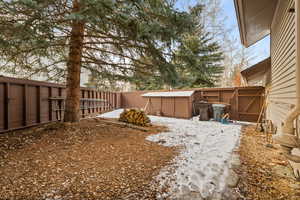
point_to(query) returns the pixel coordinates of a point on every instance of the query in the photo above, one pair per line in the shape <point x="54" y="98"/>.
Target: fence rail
<point x="25" y="103"/>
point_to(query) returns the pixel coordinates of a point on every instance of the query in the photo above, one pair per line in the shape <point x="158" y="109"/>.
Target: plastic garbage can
<point x="218" y="111"/>
<point x="203" y="111"/>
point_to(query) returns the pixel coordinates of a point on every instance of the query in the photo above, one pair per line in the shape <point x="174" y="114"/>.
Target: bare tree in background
<point x="236" y="57"/>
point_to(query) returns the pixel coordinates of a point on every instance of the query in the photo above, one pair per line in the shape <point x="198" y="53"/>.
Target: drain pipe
<point x="287" y="138"/>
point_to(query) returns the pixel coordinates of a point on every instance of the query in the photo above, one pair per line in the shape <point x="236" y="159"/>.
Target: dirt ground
<point x="87" y="160"/>
<point x="264" y="173"/>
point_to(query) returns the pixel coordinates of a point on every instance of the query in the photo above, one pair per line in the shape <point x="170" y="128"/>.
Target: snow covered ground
<point x="202" y="167"/>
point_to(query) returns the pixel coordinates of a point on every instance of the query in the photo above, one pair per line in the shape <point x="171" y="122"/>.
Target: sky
<point x="260" y="50"/>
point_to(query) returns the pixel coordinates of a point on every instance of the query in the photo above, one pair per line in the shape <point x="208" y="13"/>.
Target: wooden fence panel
<point x="24" y="103"/>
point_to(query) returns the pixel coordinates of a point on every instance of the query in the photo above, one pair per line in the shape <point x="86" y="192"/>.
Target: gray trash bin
<point x="218" y="110"/>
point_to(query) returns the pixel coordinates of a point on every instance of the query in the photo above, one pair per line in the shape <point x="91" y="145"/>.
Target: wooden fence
<point x="245" y="102"/>
<point x="25" y="103"/>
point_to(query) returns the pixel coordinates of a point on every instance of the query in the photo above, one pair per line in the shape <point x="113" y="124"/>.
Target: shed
<point x="258" y="74"/>
<point x="176" y="104"/>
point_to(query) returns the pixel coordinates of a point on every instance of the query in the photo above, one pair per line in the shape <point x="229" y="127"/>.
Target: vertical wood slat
<point x="109" y="100"/>
<point x="114" y="99"/>
<point x="60" y="105"/>
<point x="105" y="97"/>
<point x="88" y="102"/>
<point x="50" y="104"/>
<point x="174" y="109"/>
<point x="104" y="103"/>
<point x="38" y="105"/>
<point x="100" y="103"/>
<point x="25" y="105"/>
<point x="7" y="107"/>
<point x="96" y="103"/>
<point x="93" y="102"/>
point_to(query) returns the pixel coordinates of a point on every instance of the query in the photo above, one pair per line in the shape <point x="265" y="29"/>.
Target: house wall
<point x="282" y="95"/>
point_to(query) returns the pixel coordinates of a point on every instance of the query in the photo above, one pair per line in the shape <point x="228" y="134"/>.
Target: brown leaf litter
<point x="264" y="173"/>
<point x="85" y="160"/>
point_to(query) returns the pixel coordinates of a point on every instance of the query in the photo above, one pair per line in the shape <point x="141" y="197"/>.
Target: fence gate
<point x="245" y="102"/>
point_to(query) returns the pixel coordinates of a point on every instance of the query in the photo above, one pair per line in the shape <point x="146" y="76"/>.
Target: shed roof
<point x="169" y="94"/>
<point x="258" y="68"/>
<point x="254" y="18"/>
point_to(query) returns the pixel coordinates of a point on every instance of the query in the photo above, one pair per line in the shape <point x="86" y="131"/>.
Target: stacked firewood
<point x="135" y="116"/>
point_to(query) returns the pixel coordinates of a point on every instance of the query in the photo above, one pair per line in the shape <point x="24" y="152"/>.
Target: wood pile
<point x="135" y="116"/>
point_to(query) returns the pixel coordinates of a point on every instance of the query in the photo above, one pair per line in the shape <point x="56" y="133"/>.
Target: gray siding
<point x="283" y="80"/>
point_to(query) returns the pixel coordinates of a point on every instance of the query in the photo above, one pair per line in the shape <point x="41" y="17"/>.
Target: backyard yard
<point x="149" y="100"/>
<point x="175" y="158"/>
<point x="172" y="159"/>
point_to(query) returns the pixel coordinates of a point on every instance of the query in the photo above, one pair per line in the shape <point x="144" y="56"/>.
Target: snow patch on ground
<point x="169" y="94"/>
<point x="202" y="167"/>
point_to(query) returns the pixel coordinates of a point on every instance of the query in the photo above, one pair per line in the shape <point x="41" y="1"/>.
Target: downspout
<point x="287" y="138"/>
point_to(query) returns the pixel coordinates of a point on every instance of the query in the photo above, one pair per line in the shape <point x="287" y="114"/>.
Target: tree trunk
<point x="72" y="108"/>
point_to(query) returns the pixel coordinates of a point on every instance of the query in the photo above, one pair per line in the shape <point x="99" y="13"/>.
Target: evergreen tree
<point x="59" y="37"/>
<point x="195" y="56"/>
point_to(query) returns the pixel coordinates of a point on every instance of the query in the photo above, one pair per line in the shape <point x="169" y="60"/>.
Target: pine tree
<point x="196" y="59"/>
<point x="60" y="37"/>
